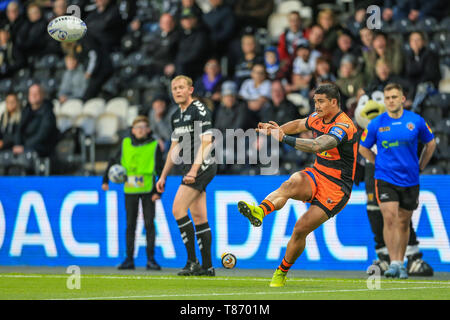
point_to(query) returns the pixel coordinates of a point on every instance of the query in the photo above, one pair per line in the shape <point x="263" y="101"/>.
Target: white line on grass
<point x="162" y="296"/>
<point x="119" y="277"/>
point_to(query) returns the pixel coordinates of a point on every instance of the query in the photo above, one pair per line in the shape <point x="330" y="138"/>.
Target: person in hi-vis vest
<point x="141" y="156"/>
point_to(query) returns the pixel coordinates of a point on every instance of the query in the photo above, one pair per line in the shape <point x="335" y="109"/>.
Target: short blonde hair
<point x="182" y="77"/>
<point x="140" y="119"/>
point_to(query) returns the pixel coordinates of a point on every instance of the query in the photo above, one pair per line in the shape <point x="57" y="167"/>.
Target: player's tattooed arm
<point x="320" y="144"/>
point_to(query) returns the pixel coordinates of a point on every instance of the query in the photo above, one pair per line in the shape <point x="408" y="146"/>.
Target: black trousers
<point x="132" y="207"/>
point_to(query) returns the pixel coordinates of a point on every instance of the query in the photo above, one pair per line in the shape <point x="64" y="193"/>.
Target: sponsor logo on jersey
<point x="384" y="129"/>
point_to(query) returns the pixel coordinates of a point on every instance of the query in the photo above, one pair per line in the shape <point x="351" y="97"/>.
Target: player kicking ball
<point x="327" y="185"/>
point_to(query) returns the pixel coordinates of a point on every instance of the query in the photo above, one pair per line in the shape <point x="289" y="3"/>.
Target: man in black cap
<point x="193" y="47"/>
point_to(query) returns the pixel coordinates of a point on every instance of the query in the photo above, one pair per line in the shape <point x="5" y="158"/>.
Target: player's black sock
<point x="204" y="237"/>
<point x="187" y="234"/>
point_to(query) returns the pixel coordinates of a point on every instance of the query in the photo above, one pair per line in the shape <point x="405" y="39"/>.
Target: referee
<point x="396" y="134"/>
<point x="191" y="125"/>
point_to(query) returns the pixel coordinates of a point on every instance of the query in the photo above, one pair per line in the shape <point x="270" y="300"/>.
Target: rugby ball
<point x="117" y="174"/>
<point x="67" y="28"/>
<point x="228" y="260"/>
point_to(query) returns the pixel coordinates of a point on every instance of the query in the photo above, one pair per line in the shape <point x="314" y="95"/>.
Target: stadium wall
<point x="62" y="221"/>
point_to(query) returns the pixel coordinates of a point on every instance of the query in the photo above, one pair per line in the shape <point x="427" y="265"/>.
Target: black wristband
<point x="289" y="140"/>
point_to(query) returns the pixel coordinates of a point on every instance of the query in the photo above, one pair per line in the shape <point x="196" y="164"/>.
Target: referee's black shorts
<point x="407" y="197"/>
<point x="203" y="178"/>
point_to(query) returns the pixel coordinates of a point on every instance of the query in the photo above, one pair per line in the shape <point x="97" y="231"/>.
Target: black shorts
<point x="407" y="197"/>
<point x="203" y="178"/>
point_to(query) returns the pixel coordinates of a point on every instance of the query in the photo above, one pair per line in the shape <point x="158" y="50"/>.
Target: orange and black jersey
<point x="337" y="164"/>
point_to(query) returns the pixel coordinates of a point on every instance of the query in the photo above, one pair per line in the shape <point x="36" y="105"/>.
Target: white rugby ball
<point x="67" y="28"/>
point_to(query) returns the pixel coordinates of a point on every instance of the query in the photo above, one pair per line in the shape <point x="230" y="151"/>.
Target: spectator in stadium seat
<point x="231" y="113"/>
<point x="303" y="69"/>
<point x="33" y="36"/>
<point x="163" y="47"/>
<point x="15" y="20"/>
<point x="387" y="49"/>
<point x="279" y="109"/>
<point x="73" y="83"/>
<point x="208" y="85"/>
<point x="221" y="23"/>
<point x="345" y="45"/>
<point x="414" y="10"/>
<point x="249" y="57"/>
<point x="289" y="39"/>
<point x="322" y="73"/>
<point x="256" y="90"/>
<point x="276" y="69"/>
<point x="349" y="79"/>
<point x="37" y="129"/>
<point x="315" y="36"/>
<point x="366" y="38"/>
<point x="327" y="20"/>
<point x="421" y="63"/>
<point x="11" y="58"/>
<point x="96" y="62"/>
<point x="9" y="121"/>
<point x="193" y="46"/>
<point x="159" y="117"/>
<point x="106" y="24"/>
<point x="383" y="77"/>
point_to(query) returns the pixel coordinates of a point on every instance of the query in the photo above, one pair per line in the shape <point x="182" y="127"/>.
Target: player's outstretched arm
<point x="291" y="127"/>
<point x="319" y="144"/>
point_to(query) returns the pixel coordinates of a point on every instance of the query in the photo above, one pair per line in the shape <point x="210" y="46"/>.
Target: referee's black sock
<point x="204" y="237"/>
<point x="187" y="234"/>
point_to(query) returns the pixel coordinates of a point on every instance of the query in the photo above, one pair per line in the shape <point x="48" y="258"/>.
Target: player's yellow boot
<point x="253" y="213"/>
<point x="278" y="278"/>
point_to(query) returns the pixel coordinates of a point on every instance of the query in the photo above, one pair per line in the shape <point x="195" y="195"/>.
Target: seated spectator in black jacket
<point x="231" y="113"/>
<point x="345" y="45"/>
<point x="254" y="13"/>
<point x="163" y="47"/>
<point x="9" y="122"/>
<point x="182" y="5"/>
<point x="279" y="109"/>
<point x="383" y="76"/>
<point x="33" y="37"/>
<point x="421" y="63"/>
<point x="106" y="24"/>
<point x="221" y="23"/>
<point x="37" y="129"/>
<point x="209" y="83"/>
<point x="11" y="58"/>
<point x="249" y="56"/>
<point x="193" y="46"/>
<point x="15" y="20"/>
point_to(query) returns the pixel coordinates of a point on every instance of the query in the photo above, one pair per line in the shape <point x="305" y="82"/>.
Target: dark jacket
<point x="37" y="129"/>
<point x="33" y="38"/>
<point x="8" y="133"/>
<point x="107" y="26"/>
<point x="423" y="67"/>
<point x="162" y="48"/>
<point x="192" y="52"/>
<point x="12" y="60"/>
<point x="231" y="118"/>
<point x="221" y="23"/>
<point x="281" y="114"/>
<point x="159" y="163"/>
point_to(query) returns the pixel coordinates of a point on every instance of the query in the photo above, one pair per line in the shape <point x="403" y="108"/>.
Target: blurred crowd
<point x="243" y="70"/>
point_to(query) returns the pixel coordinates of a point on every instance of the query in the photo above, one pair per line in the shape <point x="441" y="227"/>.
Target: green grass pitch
<point x="156" y="286"/>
